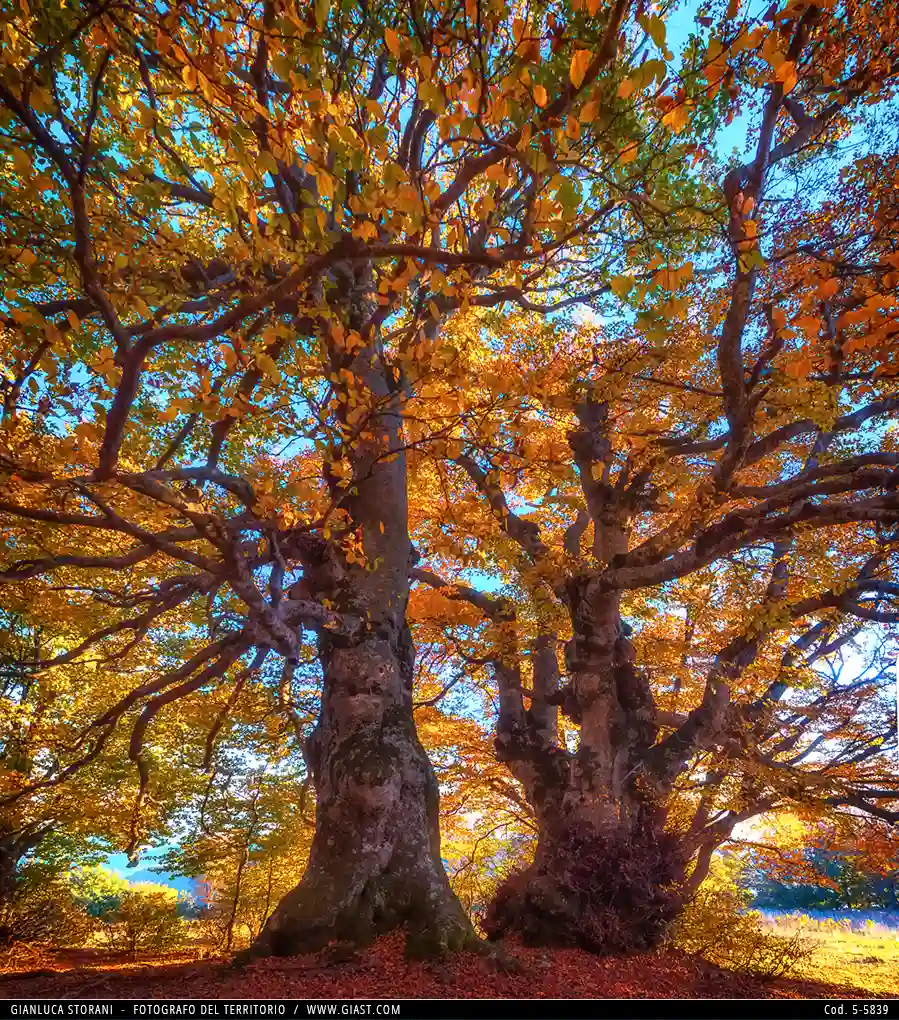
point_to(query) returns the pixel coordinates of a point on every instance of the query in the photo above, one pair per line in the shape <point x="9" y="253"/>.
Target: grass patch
<point x="858" y="958"/>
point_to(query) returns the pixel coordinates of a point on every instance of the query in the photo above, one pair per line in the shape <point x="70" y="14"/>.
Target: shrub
<point x="99" y="890"/>
<point x="600" y="892"/>
<point x="44" y="914"/>
<point x="717" y="926"/>
<point x="146" y="920"/>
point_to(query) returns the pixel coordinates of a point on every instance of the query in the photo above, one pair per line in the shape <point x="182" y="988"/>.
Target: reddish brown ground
<point x="382" y="972"/>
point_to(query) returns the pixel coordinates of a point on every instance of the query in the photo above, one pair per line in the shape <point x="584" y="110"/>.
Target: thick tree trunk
<point x="607" y="890"/>
<point x="606" y="875"/>
<point x="375" y="861"/>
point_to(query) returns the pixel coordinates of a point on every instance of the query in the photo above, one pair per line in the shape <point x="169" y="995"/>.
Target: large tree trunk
<point x="375" y="861"/>
<point x="606" y="875"/>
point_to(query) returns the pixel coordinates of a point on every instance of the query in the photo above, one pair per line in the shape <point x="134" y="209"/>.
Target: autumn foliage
<point x="448" y="463"/>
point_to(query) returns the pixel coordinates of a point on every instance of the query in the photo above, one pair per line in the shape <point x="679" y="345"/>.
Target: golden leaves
<point x="580" y="61"/>
<point x="621" y="285"/>
<point x="267" y="366"/>
<point x="22" y="162"/>
<point x="228" y="353"/>
<point x="677" y="118"/>
<point x="654" y="27"/>
<point x="810" y="325"/>
<point x="540" y="97"/>
<point x="392" y="41"/>
<point x="800" y="366"/>
<point x="671" y="279"/>
<point x="589" y="112"/>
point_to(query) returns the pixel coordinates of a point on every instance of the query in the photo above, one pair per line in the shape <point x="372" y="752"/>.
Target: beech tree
<point x="247" y="247"/>
<point x="720" y="464"/>
<point x="235" y="236"/>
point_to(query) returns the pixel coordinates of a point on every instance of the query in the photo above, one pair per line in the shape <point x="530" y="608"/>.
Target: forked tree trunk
<point x="606" y="875"/>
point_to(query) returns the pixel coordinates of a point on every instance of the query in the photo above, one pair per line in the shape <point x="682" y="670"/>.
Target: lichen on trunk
<point x="375" y="861"/>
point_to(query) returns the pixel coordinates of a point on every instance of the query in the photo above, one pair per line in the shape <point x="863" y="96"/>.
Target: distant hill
<point x="144" y="873"/>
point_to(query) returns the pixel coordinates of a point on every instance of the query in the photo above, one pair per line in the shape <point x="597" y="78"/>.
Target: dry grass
<point x="866" y="959"/>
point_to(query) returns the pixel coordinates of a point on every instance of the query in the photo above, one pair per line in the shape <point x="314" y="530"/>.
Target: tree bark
<point x="606" y="875"/>
<point x="375" y="860"/>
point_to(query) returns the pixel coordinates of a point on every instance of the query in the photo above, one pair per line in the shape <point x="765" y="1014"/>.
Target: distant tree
<point x="147" y="919"/>
<point x="99" y="890"/>
<point x="248" y="835"/>
<point x="834" y="881"/>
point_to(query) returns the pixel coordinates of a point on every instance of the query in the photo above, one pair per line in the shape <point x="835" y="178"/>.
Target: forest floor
<point x="381" y="972"/>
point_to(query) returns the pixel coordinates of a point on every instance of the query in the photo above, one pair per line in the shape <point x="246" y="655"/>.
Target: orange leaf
<point x="393" y="41"/>
<point x="580" y="61"/>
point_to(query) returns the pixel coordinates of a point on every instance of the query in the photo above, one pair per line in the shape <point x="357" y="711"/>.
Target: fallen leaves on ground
<point x="383" y="972"/>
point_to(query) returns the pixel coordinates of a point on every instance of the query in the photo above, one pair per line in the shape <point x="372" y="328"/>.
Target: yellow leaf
<point x="629" y="154"/>
<point x="588" y="113"/>
<point x="265" y="364"/>
<point x="828" y="289"/>
<point x="621" y="285"/>
<point x="810" y="325"/>
<point x="87" y="431"/>
<point x="189" y="75"/>
<point x="676" y="118"/>
<point x="230" y="357"/>
<point x="580" y="61"/>
<point x="393" y="41"/>
<point x="800" y="367"/>
<point x="27" y="257"/>
<point x="540" y="95"/>
<point x="572" y="128"/>
<point x="22" y="162"/>
<point x="593" y="6"/>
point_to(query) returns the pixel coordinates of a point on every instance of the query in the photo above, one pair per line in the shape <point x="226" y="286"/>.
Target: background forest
<point x="449" y="478"/>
